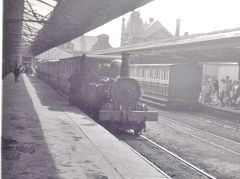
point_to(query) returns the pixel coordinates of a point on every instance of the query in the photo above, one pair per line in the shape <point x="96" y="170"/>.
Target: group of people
<point x="223" y="94"/>
<point x="25" y="68"/>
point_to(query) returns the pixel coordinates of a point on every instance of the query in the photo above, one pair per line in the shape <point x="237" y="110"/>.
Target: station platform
<point x="220" y="112"/>
<point x="43" y="137"/>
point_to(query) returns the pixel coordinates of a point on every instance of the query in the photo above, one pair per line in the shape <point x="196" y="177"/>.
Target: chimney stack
<point x="123" y="24"/>
<point x="151" y="19"/>
<point x="177" y="27"/>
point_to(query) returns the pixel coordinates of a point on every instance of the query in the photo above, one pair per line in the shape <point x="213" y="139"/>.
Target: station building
<point x="136" y="31"/>
<point x="76" y="47"/>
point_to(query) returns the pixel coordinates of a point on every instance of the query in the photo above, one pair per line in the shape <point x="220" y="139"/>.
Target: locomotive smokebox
<point x="126" y="91"/>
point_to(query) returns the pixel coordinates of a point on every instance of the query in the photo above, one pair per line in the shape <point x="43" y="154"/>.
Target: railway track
<point x="152" y="164"/>
<point x="211" y="119"/>
<point x="163" y="159"/>
<point x="232" y="146"/>
<point x="162" y="103"/>
<point x="196" y="129"/>
<point x="215" y="120"/>
<point x="218" y="141"/>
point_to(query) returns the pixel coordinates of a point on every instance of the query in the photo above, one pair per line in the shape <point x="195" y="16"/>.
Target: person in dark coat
<point x="75" y="87"/>
<point x="16" y="72"/>
<point x="215" y="85"/>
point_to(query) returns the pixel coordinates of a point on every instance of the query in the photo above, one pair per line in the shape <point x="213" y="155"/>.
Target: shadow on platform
<point x="51" y="99"/>
<point x="25" y="153"/>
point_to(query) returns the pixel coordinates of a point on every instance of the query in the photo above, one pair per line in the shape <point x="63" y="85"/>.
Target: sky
<point x="197" y="16"/>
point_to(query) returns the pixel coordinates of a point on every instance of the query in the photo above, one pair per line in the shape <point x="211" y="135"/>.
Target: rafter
<point x="30" y="25"/>
<point x="30" y="29"/>
<point x="30" y="6"/>
<point x="30" y="38"/>
<point x="29" y="12"/>
<point x="45" y="3"/>
<point x="13" y="20"/>
<point x="45" y="17"/>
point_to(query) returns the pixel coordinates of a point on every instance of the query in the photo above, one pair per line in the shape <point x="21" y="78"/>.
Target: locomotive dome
<point x="115" y="68"/>
<point x="116" y="63"/>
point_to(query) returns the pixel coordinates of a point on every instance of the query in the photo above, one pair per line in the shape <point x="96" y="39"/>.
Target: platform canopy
<point x="49" y="23"/>
<point x="223" y="45"/>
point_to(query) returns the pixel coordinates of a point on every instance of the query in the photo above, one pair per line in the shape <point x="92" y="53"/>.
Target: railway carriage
<point x="176" y="85"/>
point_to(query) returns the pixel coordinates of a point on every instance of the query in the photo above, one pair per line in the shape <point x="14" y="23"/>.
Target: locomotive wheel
<point x="140" y="128"/>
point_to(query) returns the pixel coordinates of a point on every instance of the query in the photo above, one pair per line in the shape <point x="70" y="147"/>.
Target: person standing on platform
<point x="75" y="87"/>
<point x="207" y="89"/>
<point x="16" y="72"/>
<point x="228" y="90"/>
<point x="222" y="91"/>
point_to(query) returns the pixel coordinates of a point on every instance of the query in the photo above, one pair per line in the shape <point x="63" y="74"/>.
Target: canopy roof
<point x="22" y="21"/>
<point x="72" y="18"/>
<point x="221" y="45"/>
<point x="34" y="26"/>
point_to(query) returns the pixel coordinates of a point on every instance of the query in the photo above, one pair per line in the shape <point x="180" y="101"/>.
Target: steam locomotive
<point x="99" y="91"/>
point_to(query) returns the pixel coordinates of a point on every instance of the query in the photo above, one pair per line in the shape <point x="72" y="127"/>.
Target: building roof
<point x="84" y="43"/>
<point x="154" y="27"/>
<point x="54" y="54"/>
<point x="102" y="43"/>
<point x="137" y="32"/>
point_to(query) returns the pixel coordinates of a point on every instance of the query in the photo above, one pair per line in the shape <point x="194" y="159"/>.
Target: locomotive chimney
<point x="177" y="27"/>
<point x="125" y="65"/>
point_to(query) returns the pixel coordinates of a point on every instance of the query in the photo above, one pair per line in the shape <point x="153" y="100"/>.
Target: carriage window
<point x="167" y="78"/>
<point x="130" y="70"/>
<point x="164" y="74"/>
<point x="155" y="73"/>
<point x="151" y="73"/>
<point x="161" y="75"/>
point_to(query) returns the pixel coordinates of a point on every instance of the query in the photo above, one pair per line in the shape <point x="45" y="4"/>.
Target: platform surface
<point x="44" y="137"/>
